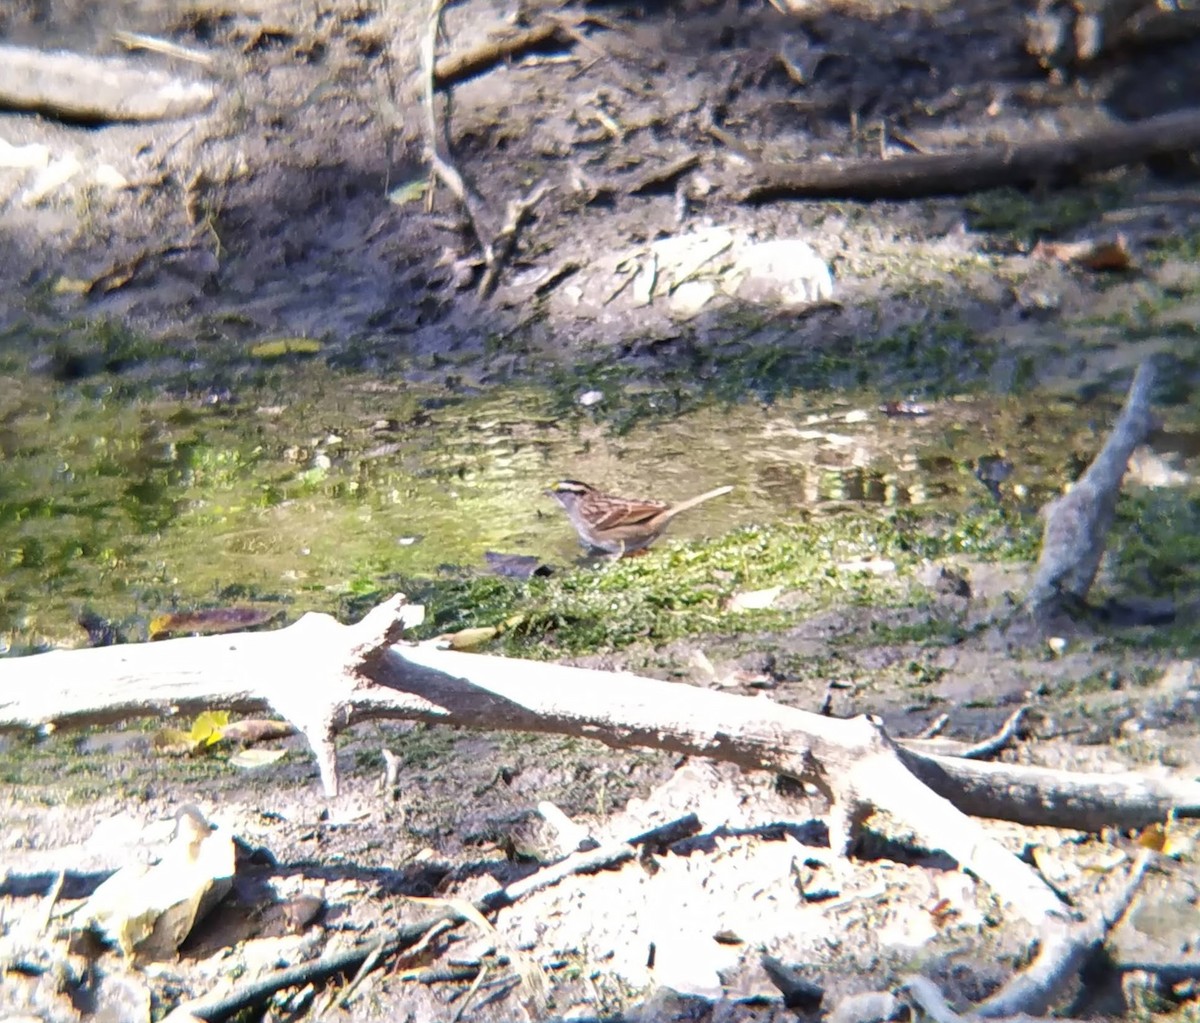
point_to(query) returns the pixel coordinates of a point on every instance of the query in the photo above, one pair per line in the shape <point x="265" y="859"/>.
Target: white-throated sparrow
<point x="619" y="525"/>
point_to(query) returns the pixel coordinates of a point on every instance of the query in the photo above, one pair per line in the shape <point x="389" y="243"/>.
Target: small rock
<point x="868" y="1007"/>
<point x="784" y="270"/>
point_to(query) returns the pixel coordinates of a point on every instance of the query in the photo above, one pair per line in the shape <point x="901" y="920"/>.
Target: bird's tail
<point x="691" y="502"/>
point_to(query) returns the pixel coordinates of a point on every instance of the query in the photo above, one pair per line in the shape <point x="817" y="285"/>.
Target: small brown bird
<point x="619" y="525"/>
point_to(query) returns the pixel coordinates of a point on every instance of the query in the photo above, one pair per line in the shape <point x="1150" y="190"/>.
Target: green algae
<point x="306" y="487"/>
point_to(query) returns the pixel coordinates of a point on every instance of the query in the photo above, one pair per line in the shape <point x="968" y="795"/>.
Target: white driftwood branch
<point x="323" y="677"/>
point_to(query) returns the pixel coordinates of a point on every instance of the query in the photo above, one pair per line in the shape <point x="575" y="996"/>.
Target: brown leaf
<point x="1102" y="256"/>
<point x="209" y="621"/>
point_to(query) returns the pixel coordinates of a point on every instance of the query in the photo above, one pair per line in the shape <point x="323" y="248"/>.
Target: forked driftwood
<point x="1064" y="948"/>
<point x="1025" y="163"/>
<point x="324" y="677"/>
<point x="1077" y="523"/>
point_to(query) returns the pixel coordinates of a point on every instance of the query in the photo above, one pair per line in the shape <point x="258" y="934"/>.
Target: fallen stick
<point x="930" y="1000"/>
<point x="459" y="67"/>
<point x="1019" y="164"/>
<point x="1077" y="523"/>
<point x="442" y="166"/>
<point x="1004" y="737"/>
<point x="1064" y="948"/>
<point x="504" y="244"/>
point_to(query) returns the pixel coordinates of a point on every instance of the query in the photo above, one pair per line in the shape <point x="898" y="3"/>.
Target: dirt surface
<point x="271" y="214"/>
<point x="278" y="212"/>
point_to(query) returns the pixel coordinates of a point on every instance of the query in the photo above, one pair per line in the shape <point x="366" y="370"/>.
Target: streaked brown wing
<point x="625" y="512"/>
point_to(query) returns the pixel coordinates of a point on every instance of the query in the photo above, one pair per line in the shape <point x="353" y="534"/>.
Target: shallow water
<point x="324" y="485"/>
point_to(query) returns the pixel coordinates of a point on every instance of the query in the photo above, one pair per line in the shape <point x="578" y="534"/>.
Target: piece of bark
<point x="94" y="90"/>
<point x="1077" y="523"/>
<point x="1024" y="163"/>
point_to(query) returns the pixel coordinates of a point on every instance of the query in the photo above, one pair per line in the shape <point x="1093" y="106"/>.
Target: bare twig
<point x="1003" y="738"/>
<point x="981" y="750"/>
<point x="664" y="178"/>
<point x="258" y="991"/>
<point x="504" y="244"/>
<point x="932" y="1002"/>
<point x="442" y="167"/>
<point x="137" y="41"/>
<point x="934" y="728"/>
<point x="471" y="992"/>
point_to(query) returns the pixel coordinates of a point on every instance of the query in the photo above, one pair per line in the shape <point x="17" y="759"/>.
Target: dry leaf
<point x="754" y="600"/>
<point x="699" y="660"/>
<point x="209" y="621"/>
<point x="71" y="286"/>
<point x="257" y="730"/>
<point x="254" y="758"/>
<point x="285" y="346"/>
<point x="473" y="638"/>
<point x="149" y="911"/>
<point x="872" y="566"/>
<point x="1091" y="255"/>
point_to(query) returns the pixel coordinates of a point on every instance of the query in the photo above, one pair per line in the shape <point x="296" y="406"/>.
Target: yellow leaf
<point x="208" y="728"/>
<point x="1164" y="838"/>
<point x="285" y="346"/>
<point x="468" y="639"/>
<point x="1153" y="837"/>
<point x="413" y="191"/>
<point x="71" y="286"/>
